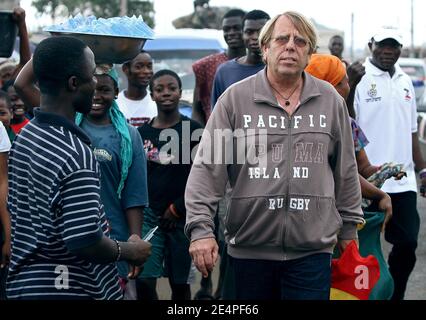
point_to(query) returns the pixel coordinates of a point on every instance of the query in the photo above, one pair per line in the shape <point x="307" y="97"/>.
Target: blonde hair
<point x="302" y="24"/>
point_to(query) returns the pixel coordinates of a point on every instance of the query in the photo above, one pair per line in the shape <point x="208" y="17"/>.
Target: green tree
<point x="98" y="8"/>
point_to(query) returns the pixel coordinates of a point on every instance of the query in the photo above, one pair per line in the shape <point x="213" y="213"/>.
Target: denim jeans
<point x="306" y="278"/>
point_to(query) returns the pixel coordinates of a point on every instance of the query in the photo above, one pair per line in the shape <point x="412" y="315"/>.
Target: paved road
<point x="416" y="289"/>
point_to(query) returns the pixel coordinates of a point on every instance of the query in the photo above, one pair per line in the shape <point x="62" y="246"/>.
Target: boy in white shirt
<point x="135" y="102"/>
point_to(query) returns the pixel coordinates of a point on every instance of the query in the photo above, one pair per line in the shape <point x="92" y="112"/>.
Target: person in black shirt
<point x="168" y="145"/>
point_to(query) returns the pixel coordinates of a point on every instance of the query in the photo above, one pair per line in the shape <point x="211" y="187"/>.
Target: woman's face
<point x="105" y="94"/>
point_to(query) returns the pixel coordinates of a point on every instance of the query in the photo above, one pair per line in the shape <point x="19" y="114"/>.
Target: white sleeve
<point x="4" y="139"/>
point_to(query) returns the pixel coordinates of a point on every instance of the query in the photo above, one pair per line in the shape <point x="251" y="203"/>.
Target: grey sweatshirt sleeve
<point x="208" y="177"/>
<point x="347" y="186"/>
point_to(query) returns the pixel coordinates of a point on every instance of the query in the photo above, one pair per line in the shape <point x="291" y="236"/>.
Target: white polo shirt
<point x="386" y="111"/>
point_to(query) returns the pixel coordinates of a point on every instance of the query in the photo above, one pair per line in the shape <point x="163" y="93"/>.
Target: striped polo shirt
<point x="54" y="202"/>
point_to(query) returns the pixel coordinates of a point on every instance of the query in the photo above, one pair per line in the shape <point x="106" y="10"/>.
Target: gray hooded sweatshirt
<point x="294" y="179"/>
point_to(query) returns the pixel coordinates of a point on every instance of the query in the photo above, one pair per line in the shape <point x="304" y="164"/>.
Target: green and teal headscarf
<point x="120" y="124"/>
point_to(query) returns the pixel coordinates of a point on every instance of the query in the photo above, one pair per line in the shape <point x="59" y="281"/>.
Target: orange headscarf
<point x="326" y="67"/>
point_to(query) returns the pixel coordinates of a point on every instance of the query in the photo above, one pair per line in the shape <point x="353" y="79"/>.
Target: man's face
<point x="139" y="71"/>
<point x="385" y="53"/>
<point x="233" y="32"/>
<point x="251" y="30"/>
<point x="86" y="84"/>
<point x="336" y="46"/>
<point x="166" y="93"/>
<point x="18" y="106"/>
<point x="288" y="52"/>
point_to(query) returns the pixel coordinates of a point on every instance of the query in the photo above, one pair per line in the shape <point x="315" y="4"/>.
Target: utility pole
<point x="123" y="8"/>
<point x="352" y="36"/>
<point x="412" y="29"/>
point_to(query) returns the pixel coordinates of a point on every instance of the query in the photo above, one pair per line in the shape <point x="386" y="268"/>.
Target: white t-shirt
<point x="4" y="139"/>
<point x="386" y="111"/>
<point x="137" y="112"/>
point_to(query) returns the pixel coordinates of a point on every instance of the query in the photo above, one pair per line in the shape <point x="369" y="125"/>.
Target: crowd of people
<point x="269" y="174"/>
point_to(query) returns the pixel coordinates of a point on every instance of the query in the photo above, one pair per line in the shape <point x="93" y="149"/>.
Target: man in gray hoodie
<point x="283" y="141"/>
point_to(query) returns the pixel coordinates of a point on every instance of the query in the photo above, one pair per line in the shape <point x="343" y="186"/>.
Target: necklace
<point x="287" y="102"/>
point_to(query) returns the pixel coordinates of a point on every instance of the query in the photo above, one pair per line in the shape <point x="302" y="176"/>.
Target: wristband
<point x="118" y="251"/>
<point x="422" y="173"/>
<point x="173" y="211"/>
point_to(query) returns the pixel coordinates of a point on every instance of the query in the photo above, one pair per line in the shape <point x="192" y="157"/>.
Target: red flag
<point x="352" y="276"/>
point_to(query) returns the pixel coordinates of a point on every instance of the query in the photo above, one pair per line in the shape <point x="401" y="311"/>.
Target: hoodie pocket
<point x="315" y="228"/>
<point x="250" y="222"/>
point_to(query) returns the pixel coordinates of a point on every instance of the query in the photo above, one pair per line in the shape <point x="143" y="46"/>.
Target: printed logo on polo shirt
<point x="372" y="93"/>
<point x="102" y="155"/>
<point x="407" y="95"/>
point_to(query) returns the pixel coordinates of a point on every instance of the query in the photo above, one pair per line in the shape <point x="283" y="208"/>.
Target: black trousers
<point x="402" y="232"/>
<point x="306" y="278"/>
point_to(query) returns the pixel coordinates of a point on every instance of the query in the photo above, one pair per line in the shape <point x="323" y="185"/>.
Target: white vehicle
<point x="416" y="69"/>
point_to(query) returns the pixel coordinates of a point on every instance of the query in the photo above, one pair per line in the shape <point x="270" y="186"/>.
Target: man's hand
<point x="342" y="244"/>
<point x="5" y="254"/>
<point x="168" y="221"/>
<point x="400" y="175"/>
<point x="141" y="250"/>
<point x="134" y="271"/>
<point x="204" y="253"/>
<point x="355" y="72"/>
<point x="385" y="205"/>
<point x="18" y="16"/>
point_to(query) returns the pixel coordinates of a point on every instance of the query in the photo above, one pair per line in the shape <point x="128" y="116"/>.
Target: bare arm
<point x="197" y="108"/>
<point x="4" y="214"/>
<point x="134" y="251"/>
<point x="365" y="168"/>
<point x="371" y="192"/>
<point x="24" y="42"/>
<point x="134" y="218"/>
<point x="417" y="155"/>
<point x="418" y="161"/>
<point x="25" y="86"/>
<point x="355" y="73"/>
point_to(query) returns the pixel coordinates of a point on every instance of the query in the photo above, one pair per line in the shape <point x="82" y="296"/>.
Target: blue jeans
<point x="306" y="278"/>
